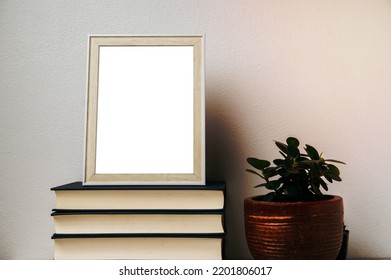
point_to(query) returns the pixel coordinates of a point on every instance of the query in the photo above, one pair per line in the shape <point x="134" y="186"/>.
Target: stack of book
<point x="139" y="222"/>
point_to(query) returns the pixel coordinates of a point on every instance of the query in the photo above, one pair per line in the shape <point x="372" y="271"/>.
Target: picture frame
<point x="145" y="110"/>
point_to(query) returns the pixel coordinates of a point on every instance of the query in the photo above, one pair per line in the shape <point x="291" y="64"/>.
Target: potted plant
<point x="294" y="220"/>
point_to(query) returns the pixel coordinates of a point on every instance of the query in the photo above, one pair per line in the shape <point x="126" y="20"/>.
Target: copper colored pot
<point x="294" y="230"/>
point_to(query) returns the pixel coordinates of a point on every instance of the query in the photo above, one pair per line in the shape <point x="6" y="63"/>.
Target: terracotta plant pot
<point x="294" y="230"/>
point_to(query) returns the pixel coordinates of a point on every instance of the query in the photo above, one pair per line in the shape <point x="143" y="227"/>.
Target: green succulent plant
<point x="296" y="176"/>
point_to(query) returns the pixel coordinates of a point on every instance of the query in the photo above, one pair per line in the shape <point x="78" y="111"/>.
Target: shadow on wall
<point x="225" y="161"/>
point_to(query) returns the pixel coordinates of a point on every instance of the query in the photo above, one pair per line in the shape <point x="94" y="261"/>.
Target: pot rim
<point x="331" y="204"/>
<point x="328" y="198"/>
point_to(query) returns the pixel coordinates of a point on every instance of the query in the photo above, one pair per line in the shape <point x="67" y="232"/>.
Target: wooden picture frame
<point x="145" y="115"/>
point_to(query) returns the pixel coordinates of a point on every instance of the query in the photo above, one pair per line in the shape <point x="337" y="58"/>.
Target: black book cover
<point x="58" y="212"/>
<point x="219" y="186"/>
<point x="135" y="235"/>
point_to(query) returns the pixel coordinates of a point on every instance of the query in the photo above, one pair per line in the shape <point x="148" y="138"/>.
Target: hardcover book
<point x="138" y="221"/>
<point x="76" y="196"/>
<point x="138" y="246"/>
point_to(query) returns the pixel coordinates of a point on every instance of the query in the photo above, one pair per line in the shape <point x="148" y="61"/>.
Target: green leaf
<point x="303" y="157"/>
<point x="260" y="185"/>
<point x="308" y="161"/>
<point x="312" y="152"/>
<point x="291" y="141"/>
<point x="290" y="190"/>
<point x="254" y="172"/>
<point x="334" y="160"/>
<point x="293" y="151"/>
<point x="335" y="177"/>
<point x="283" y="172"/>
<point x="273" y="185"/>
<point x="269" y="197"/>
<point x="303" y="175"/>
<point x="315" y="170"/>
<point x="294" y="170"/>
<point x="333" y="172"/>
<point x="270" y="172"/>
<point x="323" y="184"/>
<point x="328" y="177"/>
<point x="283" y="147"/>
<point x="258" y="163"/>
<point x="283" y="155"/>
<point x="279" y="162"/>
<point x="316" y="187"/>
<point x="333" y="169"/>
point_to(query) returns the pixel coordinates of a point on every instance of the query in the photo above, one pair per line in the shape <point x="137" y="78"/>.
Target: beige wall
<point x="317" y="70"/>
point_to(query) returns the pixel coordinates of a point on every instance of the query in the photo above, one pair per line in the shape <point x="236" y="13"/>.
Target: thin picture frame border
<point x="90" y="177"/>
